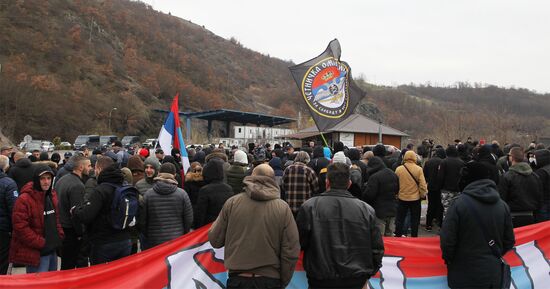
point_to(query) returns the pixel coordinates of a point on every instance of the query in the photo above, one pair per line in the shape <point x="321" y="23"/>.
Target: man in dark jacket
<point x="470" y="261"/>
<point x="435" y="209"/>
<point x="168" y="211"/>
<point x="71" y="190"/>
<point x="521" y="189"/>
<point x="448" y="178"/>
<point x="542" y="158"/>
<point x="107" y="243"/>
<point x="237" y="171"/>
<point x="37" y="232"/>
<point x="486" y="157"/>
<point x="23" y="170"/>
<point x="380" y="151"/>
<point x="8" y="195"/>
<point x="319" y="164"/>
<point x="381" y="193"/>
<point x="347" y="259"/>
<point x="213" y="195"/>
<point x="355" y="157"/>
<point x="266" y="257"/>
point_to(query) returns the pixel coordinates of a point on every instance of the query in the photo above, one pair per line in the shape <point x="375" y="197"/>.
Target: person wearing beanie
<point x="56" y="158"/>
<point x="412" y="188"/>
<point x="213" y="195"/>
<point x="299" y="182"/>
<point x="277" y="166"/>
<point x="168" y="213"/>
<point x="431" y="169"/>
<point x="237" y="171"/>
<point x="122" y="155"/>
<point x="340" y="157"/>
<point x="137" y="167"/>
<point x="37" y="232"/>
<point x="151" y="168"/>
<point x="172" y="160"/>
<point x="477" y="214"/>
<point x="448" y="177"/>
<point x="521" y="189"/>
<point x="22" y="172"/>
<point x="194" y="181"/>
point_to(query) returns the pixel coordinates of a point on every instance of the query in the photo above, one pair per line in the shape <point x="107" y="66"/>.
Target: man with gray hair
<point x="299" y="182"/>
<point x="8" y="195"/>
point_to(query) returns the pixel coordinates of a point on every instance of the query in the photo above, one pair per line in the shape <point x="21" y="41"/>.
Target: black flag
<point x="327" y="87"/>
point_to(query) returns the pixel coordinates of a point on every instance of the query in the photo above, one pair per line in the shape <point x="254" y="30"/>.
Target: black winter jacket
<point x="448" y="176"/>
<point x="70" y="192"/>
<point x="8" y="196"/>
<point x="491" y="163"/>
<point x="96" y="211"/>
<point x="543" y="171"/>
<point x="382" y="189"/>
<point x="521" y="189"/>
<point x="431" y="168"/>
<point x="355" y="253"/>
<point x="167" y="213"/>
<point x="213" y="195"/>
<point x="470" y="262"/>
<point x="22" y="172"/>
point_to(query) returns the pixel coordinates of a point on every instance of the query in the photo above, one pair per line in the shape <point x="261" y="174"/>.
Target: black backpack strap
<point x="490" y="241"/>
<point x="416" y="181"/>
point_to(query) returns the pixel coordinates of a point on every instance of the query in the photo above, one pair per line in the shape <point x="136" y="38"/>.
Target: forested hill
<point x="66" y="64"/>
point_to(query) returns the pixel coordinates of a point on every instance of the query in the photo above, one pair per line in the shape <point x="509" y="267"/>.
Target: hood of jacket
<point x="213" y="171"/>
<point x="379" y="150"/>
<point x="194" y="177"/>
<point x="543" y="158"/>
<point x="354" y="154"/>
<point x="23" y="163"/>
<point x="318" y="152"/>
<point x="200" y="157"/>
<point x="410" y="157"/>
<point x="216" y="155"/>
<point x="375" y="164"/>
<point x="327" y="153"/>
<point x="164" y="188"/>
<point x="111" y="174"/>
<point x="484" y="190"/>
<point x="261" y="188"/>
<point x="522" y="168"/>
<point x="277" y="165"/>
<point x="38" y="171"/>
<point x="440" y="153"/>
<point x="136" y="164"/>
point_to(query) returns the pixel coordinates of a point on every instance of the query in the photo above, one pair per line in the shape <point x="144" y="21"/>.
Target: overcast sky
<point x="501" y="42"/>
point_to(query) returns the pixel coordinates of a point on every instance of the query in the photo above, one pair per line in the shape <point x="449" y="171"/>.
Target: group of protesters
<point x="268" y="203"/>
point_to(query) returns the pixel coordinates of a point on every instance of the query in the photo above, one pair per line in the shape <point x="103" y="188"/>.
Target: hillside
<point x="67" y="63"/>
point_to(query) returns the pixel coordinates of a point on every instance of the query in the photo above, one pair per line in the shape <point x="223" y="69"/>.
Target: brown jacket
<point x="258" y="231"/>
<point x="408" y="189"/>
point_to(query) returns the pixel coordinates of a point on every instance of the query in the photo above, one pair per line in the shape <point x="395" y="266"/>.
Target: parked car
<point x="22" y="145"/>
<point x="47" y="146"/>
<point x="33" y="145"/>
<point x="91" y="141"/>
<point x="150" y="142"/>
<point x="65" y="145"/>
<point x="129" y="140"/>
<point x="107" y="140"/>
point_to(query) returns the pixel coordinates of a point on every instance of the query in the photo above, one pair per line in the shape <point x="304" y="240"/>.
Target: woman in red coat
<point x="37" y="232"/>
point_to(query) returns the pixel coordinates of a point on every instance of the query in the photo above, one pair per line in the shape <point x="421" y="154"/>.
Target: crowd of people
<point x="267" y="203"/>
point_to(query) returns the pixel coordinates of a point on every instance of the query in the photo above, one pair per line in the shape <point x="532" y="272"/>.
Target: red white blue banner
<point x="170" y="135"/>
<point x="190" y="262"/>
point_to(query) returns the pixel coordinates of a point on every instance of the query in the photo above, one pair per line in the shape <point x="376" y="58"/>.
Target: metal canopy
<point x="229" y="115"/>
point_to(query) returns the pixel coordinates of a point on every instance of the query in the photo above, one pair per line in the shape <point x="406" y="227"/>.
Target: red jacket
<point x="28" y="226"/>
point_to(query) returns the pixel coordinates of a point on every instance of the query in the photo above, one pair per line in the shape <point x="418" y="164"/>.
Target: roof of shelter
<point x="237" y="116"/>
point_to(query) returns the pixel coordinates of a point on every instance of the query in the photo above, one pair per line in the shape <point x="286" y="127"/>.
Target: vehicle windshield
<point x="34" y="145"/>
<point x="81" y="139"/>
<point x="127" y="139"/>
<point x="105" y="139"/>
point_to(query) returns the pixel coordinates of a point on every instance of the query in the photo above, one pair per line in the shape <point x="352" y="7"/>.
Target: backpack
<point x="124" y="207"/>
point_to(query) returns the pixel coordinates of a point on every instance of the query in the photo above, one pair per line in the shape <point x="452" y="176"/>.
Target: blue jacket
<point x="8" y="195"/>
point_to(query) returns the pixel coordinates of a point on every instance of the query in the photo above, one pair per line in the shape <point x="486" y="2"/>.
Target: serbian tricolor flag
<point x="170" y="136"/>
<point x="190" y="262"/>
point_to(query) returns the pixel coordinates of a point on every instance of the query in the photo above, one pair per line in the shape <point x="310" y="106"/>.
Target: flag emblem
<point x="325" y="88"/>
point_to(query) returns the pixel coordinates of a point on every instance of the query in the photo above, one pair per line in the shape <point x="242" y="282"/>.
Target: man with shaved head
<point x="267" y="256"/>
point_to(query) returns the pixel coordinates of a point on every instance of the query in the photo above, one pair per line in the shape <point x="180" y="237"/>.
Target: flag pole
<point x="324" y="140"/>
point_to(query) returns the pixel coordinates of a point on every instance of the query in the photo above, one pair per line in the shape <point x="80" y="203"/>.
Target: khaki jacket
<point x="408" y="189"/>
<point x="258" y="231"/>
